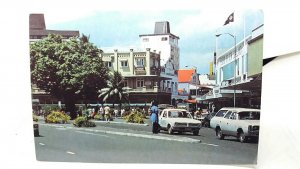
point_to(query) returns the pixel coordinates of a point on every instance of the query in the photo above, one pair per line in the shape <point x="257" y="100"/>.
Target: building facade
<point x="37" y="29"/>
<point x="141" y="71"/>
<point x="238" y="74"/>
<point x="167" y="44"/>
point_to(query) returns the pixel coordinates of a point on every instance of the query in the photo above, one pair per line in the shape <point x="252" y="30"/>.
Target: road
<point x="123" y="143"/>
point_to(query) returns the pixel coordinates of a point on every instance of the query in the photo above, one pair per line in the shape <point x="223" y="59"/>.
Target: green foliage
<point x="48" y="108"/>
<point x="35" y="118"/>
<point x="68" y="69"/>
<point x="97" y="117"/>
<point x="57" y="117"/>
<point x="83" y="121"/>
<point x="135" y="117"/>
<point x="115" y="90"/>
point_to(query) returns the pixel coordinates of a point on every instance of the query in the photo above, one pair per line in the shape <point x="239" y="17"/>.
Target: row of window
<point x="162" y="39"/>
<point x="140" y="62"/>
<point x="229" y="56"/>
<point x="140" y="83"/>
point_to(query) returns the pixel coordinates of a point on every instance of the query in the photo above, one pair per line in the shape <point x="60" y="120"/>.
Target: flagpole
<point x="244" y="29"/>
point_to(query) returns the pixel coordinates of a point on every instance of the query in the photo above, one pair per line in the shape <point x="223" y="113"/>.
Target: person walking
<point x="107" y="113"/>
<point x="101" y="113"/>
<point x="154" y="117"/>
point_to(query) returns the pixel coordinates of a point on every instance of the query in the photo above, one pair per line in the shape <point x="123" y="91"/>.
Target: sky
<point x="196" y="29"/>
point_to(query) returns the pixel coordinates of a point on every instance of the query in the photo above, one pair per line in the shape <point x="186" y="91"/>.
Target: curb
<point x="116" y="122"/>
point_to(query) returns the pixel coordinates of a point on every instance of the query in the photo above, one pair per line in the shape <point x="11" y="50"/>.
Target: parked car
<point x="36" y="129"/>
<point x="242" y="123"/>
<point x="178" y="120"/>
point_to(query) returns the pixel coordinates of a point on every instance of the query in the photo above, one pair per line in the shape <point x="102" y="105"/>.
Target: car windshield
<point x="177" y="114"/>
<point x="249" y="115"/>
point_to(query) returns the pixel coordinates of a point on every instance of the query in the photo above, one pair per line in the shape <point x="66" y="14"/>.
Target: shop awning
<point x="191" y="101"/>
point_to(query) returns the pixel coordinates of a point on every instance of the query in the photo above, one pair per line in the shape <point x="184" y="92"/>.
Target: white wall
<point x="279" y="144"/>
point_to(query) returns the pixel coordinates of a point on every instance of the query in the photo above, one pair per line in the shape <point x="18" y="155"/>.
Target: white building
<point x="141" y="72"/>
<point x="238" y="73"/>
<point x="167" y="44"/>
<point x="226" y="65"/>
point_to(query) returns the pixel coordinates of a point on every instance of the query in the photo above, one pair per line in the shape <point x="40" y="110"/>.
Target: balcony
<point x="140" y="70"/>
<point x="155" y="89"/>
<point x="155" y="70"/>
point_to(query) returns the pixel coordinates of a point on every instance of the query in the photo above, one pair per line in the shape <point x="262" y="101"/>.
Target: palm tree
<point x="115" y="89"/>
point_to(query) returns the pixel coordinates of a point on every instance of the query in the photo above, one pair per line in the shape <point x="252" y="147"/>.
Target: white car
<point x="178" y="120"/>
<point x="238" y="122"/>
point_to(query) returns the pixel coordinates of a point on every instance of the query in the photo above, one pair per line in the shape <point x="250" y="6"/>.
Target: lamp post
<point x="196" y="83"/>
<point x="234" y="70"/>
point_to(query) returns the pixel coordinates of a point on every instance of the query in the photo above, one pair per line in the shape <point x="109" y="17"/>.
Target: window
<point x="108" y="64"/>
<point x="165" y="114"/>
<point x="177" y="114"/>
<point x="228" y="114"/>
<point x="124" y="63"/>
<point x="164" y="39"/>
<point x="140" y="62"/>
<point x="139" y="83"/>
<point x="145" y="39"/>
<point x="233" y="116"/>
<point x="249" y="115"/>
<point x="221" y="113"/>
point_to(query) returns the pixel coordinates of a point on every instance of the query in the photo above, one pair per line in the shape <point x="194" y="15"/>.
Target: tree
<point x="115" y="90"/>
<point x="67" y="69"/>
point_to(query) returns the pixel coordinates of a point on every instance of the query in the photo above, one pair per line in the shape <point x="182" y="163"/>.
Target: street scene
<point x="120" y="142"/>
<point x="145" y="93"/>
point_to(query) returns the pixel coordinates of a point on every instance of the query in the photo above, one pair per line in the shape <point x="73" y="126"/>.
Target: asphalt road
<point x="123" y="143"/>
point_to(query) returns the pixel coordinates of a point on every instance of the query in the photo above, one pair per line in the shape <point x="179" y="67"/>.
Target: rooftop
<point x="185" y="75"/>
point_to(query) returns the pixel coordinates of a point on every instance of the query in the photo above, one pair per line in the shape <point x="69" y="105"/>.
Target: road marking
<point x="210" y="144"/>
<point x="61" y="128"/>
<point x="69" y="152"/>
<point x="42" y="144"/>
<point x="91" y="133"/>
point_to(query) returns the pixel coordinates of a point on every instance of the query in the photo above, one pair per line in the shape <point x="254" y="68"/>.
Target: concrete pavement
<point x="125" y="132"/>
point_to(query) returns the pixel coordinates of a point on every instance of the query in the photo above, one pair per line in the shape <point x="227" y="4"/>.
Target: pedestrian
<point x="144" y="111"/>
<point x="116" y="112"/>
<point x="154" y="117"/>
<point x="107" y="113"/>
<point x="101" y="113"/>
<point x="122" y="112"/>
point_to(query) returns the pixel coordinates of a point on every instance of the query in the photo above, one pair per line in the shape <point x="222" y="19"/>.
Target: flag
<point x="229" y="19"/>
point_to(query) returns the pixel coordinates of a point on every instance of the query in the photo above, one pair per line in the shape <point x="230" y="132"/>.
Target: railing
<point x="150" y="90"/>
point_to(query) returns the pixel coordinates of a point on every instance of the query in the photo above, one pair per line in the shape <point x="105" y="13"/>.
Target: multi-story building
<point x="37" y="29"/>
<point x="164" y="41"/>
<point x="238" y="74"/>
<point x="187" y="83"/>
<point x="141" y="71"/>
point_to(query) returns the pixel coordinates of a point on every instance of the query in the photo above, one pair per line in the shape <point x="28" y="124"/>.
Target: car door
<point x="163" y="118"/>
<point x="226" y="123"/>
<point x="218" y="119"/>
<point x="232" y="123"/>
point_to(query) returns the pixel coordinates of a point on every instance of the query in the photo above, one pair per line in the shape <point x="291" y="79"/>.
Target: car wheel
<point x="196" y="132"/>
<point x="220" y="134"/>
<point x="170" y="130"/>
<point x="241" y="136"/>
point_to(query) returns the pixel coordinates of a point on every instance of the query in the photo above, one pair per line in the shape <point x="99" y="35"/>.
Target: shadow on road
<point x="249" y="141"/>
